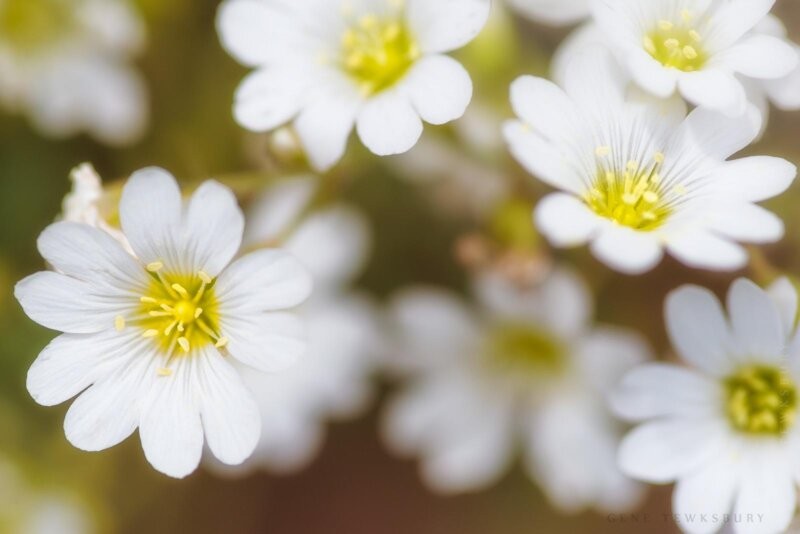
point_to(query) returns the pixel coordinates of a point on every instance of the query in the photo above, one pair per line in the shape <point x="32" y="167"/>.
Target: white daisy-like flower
<point x="636" y="179"/>
<point x="333" y="380"/>
<point x="696" y="47"/>
<point x="555" y="12"/>
<point x="726" y="428"/>
<point x="66" y="64"/>
<point x="329" y="65"/>
<point x="525" y="369"/>
<point x="148" y="337"/>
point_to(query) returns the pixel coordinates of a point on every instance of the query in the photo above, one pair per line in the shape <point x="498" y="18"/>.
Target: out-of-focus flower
<point x="28" y="511"/>
<point x="327" y="65"/>
<point x="149" y="335"/>
<point x="526" y="368"/>
<point x="695" y="47"/>
<point x="66" y="64"/>
<point x="637" y="178"/>
<point x="725" y="430"/>
<point x="556" y="12"/>
<point x="333" y="380"/>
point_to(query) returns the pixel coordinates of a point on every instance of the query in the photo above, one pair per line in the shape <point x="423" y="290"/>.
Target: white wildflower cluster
<point x="194" y="321"/>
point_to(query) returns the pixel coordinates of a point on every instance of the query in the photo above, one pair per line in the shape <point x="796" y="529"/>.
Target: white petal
<point x="754" y="178"/>
<point x="388" y="124"/>
<point x="755" y="321"/>
<point x="270" y="97"/>
<point x="266" y="280"/>
<point x="714" y="89"/>
<point x="565" y="221"/>
<point x="747" y="57"/>
<point x="325" y="124"/>
<point x="555" y="12"/>
<point x="698" y="329"/>
<point x="268" y="342"/>
<point x="444" y="25"/>
<point x="91" y="255"/>
<point x="651" y="75"/>
<point x="767" y="491"/>
<point x="665" y="450"/>
<point x="785" y="92"/>
<point x="71" y="363"/>
<point x="709" y="493"/>
<point x="606" y="354"/>
<point x="703" y="250"/>
<point x="717" y="135"/>
<point x="658" y="390"/>
<point x="746" y="222"/>
<point x="545" y="107"/>
<point x="595" y="82"/>
<point x="230" y="416"/>
<point x="170" y="427"/>
<point x="69" y="305"/>
<point x="150" y="213"/>
<point x="108" y="412"/>
<point x="784" y="295"/>
<point x="213" y="229"/>
<point x="440" y="89"/>
<point x="734" y="18"/>
<point x="626" y="250"/>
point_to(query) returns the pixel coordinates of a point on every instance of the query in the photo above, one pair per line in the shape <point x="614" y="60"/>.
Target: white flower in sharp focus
<point x="525" y="369"/>
<point x="333" y="381"/>
<point x="330" y="65"/>
<point x="556" y="12"/>
<point x="696" y="47"/>
<point x="66" y="64"/>
<point x="636" y="178"/>
<point x="150" y="338"/>
<point x="726" y="427"/>
<point x="783" y="93"/>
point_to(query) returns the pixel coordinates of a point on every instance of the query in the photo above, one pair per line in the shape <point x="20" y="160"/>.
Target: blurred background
<point x="425" y="229"/>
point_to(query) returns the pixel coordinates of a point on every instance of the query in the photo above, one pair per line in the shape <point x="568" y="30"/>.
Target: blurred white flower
<point x="327" y="65"/>
<point x="637" y="178"/>
<point x="726" y="429"/>
<point x="333" y="380"/>
<point x="66" y="63"/>
<point x="149" y="335"/>
<point x="695" y="47"/>
<point x="27" y="510"/>
<point x="555" y="12"/>
<point x="527" y="368"/>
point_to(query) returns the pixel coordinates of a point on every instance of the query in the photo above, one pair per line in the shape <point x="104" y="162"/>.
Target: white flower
<point x="66" y="64"/>
<point x="333" y="380"/>
<point x="556" y="12"/>
<point x="148" y="337"/>
<point x="327" y="65"/>
<point x="528" y="369"/>
<point x="636" y="178"/>
<point x="726" y="428"/>
<point x="696" y="47"/>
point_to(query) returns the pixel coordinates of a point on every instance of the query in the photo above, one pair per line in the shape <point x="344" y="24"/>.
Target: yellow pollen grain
<point x="659" y="157"/>
<point x="686" y="15"/>
<point x="180" y="290"/>
<point x="119" y="323"/>
<point x="695" y="36"/>
<point x="672" y="43"/>
<point x="689" y="52"/>
<point x="203" y="276"/>
<point x="650" y="197"/>
<point x="155" y="266"/>
<point x="184" y="343"/>
<point x="150" y="333"/>
<point x="163" y="371"/>
<point x="602" y="151"/>
<point x="198" y="312"/>
<point x="649" y="44"/>
<point x="221" y="342"/>
<point x="679" y="189"/>
<point x="665" y="25"/>
<point x="148" y="300"/>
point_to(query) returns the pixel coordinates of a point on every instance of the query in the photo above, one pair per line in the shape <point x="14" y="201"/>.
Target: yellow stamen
<point x="119" y="323"/>
<point x="155" y="266"/>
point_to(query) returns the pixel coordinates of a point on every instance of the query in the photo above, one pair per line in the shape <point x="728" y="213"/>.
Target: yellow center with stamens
<point x="632" y="196"/>
<point x="31" y="25"/>
<point x="677" y="45"/>
<point x="179" y="312"/>
<point x="524" y="348"/>
<point x="378" y="52"/>
<point x="760" y="400"/>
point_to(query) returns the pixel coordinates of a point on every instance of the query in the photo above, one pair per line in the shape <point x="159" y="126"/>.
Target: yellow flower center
<point x="524" y="348"/>
<point x="31" y="25"/>
<point x="760" y="400"/>
<point x="676" y="45"/>
<point x="633" y="196"/>
<point x="179" y="312"/>
<point x="378" y="52"/>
